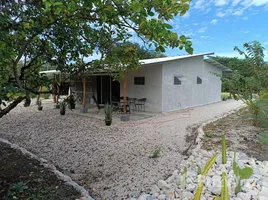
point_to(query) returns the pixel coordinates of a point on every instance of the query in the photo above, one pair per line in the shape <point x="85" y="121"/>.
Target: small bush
<point x="225" y="96"/>
<point x="45" y="96"/>
<point x="155" y="153"/>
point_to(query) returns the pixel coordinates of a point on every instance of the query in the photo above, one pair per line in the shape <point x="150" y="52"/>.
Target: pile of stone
<point x="176" y="187"/>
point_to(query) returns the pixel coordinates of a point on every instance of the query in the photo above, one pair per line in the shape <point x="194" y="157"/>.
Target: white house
<point x="174" y="83"/>
<point x="168" y="84"/>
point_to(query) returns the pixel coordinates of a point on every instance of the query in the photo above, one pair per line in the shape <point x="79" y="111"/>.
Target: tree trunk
<point x="11" y="106"/>
<point x="125" y="94"/>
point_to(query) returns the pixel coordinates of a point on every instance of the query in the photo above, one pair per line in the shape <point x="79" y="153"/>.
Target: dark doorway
<point x="107" y="89"/>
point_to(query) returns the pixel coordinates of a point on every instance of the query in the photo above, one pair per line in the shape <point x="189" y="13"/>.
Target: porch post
<point x="40" y="90"/>
<point x="101" y="90"/>
<point x="54" y="89"/>
<point x="125" y="93"/>
<point x="110" y="89"/>
<point x="84" y="92"/>
<point x="58" y="89"/>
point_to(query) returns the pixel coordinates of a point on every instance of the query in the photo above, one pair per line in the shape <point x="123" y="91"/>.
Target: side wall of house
<point x="152" y="90"/>
<point x="189" y="93"/>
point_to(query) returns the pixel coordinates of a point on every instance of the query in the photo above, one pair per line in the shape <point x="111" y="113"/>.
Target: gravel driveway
<point x="112" y="162"/>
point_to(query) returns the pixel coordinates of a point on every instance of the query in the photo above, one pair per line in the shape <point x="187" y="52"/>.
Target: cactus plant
<point x="224" y="187"/>
<point x="240" y="174"/>
<point x="223" y="144"/>
<point x="184" y="178"/>
<point x="208" y="165"/>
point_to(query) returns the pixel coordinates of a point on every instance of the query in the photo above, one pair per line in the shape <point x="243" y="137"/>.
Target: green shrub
<point x="155" y="153"/>
<point x="45" y="96"/>
<point x="225" y="95"/>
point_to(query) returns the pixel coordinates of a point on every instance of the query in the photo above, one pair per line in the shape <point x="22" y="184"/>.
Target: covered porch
<point x="94" y="91"/>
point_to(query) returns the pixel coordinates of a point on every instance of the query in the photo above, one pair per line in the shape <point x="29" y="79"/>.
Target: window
<point x="139" y="80"/>
<point x="199" y="80"/>
<point x="177" y="81"/>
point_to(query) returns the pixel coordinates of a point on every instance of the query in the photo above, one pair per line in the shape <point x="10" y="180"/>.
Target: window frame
<point x="139" y="80"/>
<point x="199" y="80"/>
<point x="176" y="81"/>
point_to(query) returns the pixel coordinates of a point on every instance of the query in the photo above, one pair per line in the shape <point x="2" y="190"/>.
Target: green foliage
<point x="199" y="190"/>
<point x="22" y="191"/>
<point x="70" y="99"/>
<point x="18" y="188"/>
<point x="45" y="95"/>
<point x="38" y="34"/>
<point x="225" y="96"/>
<point x="183" y="182"/>
<point x="39" y="103"/>
<point x="223" y="146"/>
<point x="207" y="167"/>
<point x="199" y="170"/>
<point x="240" y="174"/>
<point x="155" y="153"/>
<point x="224" y="187"/>
<point x="108" y="111"/>
<point x="209" y="164"/>
<point x="63" y="105"/>
<point x="209" y="134"/>
<point x="249" y="75"/>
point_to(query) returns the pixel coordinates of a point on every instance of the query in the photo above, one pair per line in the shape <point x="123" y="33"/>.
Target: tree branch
<point x="11" y="106"/>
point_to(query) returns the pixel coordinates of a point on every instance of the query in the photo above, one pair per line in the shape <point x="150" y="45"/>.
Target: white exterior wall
<point x="152" y="90"/>
<point x="189" y="93"/>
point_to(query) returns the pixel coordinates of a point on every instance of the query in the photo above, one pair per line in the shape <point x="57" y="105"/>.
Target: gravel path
<point x="113" y="162"/>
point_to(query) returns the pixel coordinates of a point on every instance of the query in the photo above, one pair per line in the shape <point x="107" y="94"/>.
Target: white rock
<point x="254" y="193"/>
<point x="263" y="198"/>
<point x="162" y="197"/>
<point x="247" y="187"/>
<point x="155" y="189"/>
<point x="187" y="195"/>
<point x="177" y="180"/>
<point x="163" y="184"/>
<point x="215" y="189"/>
<point x="264" y="191"/>
<point x="190" y="187"/>
<point x="244" y="196"/>
<point x="144" y="197"/>
<point x="189" y="181"/>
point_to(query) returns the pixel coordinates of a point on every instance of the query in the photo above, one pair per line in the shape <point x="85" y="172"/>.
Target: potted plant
<point x="63" y="105"/>
<point x="70" y="101"/>
<point x="39" y="104"/>
<point x="108" y="110"/>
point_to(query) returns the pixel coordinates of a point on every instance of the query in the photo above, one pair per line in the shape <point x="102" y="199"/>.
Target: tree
<point x="142" y="51"/>
<point x="250" y="75"/>
<point x="250" y="80"/>
<point x="240" y="66"/>
<point x="65" y="33"/>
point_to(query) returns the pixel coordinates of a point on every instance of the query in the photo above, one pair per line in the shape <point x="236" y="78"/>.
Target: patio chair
<point x="131" y="102"/>
<point x="121" y="107"/>
<point x="141" y="104"/>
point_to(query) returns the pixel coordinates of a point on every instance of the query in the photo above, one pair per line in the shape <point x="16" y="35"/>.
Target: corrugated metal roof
<point x="217" y="64"/>
<point x="50" y="73"/>
<point x="171" y="58"/>
<point x="145" y="62"/>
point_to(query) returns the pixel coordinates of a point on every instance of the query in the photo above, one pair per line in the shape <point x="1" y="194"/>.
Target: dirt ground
<point x="240" y="134"/>
<point x="24" y="178"/>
